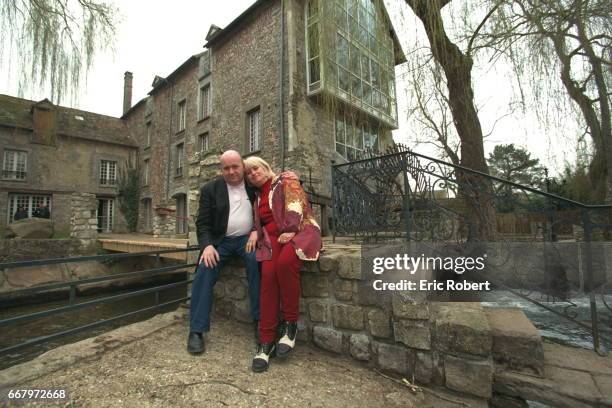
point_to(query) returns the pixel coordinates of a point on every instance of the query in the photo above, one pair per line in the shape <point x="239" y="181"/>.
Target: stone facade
<point x="440" y="344"/>
<point x="13" y="250"/>
<point x="83" y="222"/>
<point x="63" y="150"/>
<point x="242" y="68"/>
<point x="255" y="64"/>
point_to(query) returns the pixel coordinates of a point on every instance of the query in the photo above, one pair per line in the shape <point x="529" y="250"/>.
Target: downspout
<point x="281" y="116"/>
<point x="169" y="162"/>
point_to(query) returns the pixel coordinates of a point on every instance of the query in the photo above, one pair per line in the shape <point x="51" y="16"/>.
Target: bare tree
<point x="568" y="39"/>
<point x="457" y="65"/>
<point x="52" y="43"/>
<point x="430" y="110"/>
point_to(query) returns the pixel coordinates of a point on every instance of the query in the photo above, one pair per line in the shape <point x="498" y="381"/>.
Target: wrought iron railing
<point x="72" y="286"/>
<point x="405" y="196"/>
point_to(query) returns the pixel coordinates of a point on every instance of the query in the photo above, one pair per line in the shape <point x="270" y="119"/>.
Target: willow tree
<point x="52" y="43"/>
<point x="562" y="51"/>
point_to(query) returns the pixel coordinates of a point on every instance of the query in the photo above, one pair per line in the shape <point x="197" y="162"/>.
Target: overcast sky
<point x="156" y="36"/>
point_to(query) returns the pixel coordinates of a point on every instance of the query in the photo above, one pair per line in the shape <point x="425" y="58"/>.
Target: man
<point x="224" y="227"/>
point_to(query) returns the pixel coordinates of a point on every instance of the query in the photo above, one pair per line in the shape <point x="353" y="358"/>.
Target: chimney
<point x="127" y="91"/>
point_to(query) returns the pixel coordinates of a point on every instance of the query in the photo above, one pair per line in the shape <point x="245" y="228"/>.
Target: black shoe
<point x="195" y="343"/>
<point x="287" y="339"/>
<point x="265" y="351"/>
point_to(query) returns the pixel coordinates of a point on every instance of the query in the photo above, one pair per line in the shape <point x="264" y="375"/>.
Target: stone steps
<point x="528" y="369"/>
<point x="517" y="344"/>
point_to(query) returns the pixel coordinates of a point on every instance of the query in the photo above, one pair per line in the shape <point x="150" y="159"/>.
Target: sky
<point x="154" y="38"/>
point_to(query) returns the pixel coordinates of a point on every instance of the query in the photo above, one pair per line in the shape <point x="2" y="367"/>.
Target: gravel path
<point x="157" y="371"/>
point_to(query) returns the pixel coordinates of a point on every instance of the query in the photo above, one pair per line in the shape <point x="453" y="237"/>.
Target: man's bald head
<point x="232" y="167"/>
<point x="230" y="154"/>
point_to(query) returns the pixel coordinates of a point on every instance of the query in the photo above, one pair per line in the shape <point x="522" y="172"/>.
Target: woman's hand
<point x="286" y="237"/>
<point x="252" y="242"/>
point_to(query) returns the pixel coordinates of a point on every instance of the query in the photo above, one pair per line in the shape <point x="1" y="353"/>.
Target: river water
<point x="15" y="334"/>
<point x="557" y="328"/>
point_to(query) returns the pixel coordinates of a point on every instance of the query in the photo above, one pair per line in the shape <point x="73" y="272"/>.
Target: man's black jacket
<point x="213" y="212"/>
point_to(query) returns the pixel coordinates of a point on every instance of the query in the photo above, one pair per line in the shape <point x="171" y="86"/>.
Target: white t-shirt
<point x="240" y="220"/>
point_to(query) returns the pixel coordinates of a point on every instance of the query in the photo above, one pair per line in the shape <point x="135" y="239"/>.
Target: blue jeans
<point x="204" y="282"/>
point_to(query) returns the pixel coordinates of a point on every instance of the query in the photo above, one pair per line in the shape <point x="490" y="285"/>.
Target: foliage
<point x="516" y="164"/>
<point x="128" y="186"/>
<point x="52" y="43"/>
<point x="545" y="40"/>
<point x="573" y="184"/>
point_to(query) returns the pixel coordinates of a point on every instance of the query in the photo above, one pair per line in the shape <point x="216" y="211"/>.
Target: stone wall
<point x="542" y="264"/>
<point x="12" y="250"/>
<point x="159" y="113"/>
<point x="71" y="164"/>
<point x="83" y="235"/>
<point x="83" y="220"/>
<point x="441" y="344"/>
<point x="12" y="280"/>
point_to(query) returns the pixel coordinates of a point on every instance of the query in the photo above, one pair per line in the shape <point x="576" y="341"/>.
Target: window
<point x="179" y="159"/>
<point x="148" y="134"/>
<point x="29" y="203"/>
<point x="352" y="139"/>
<point x="181" y="214"/>
<point x="14" y="167"/>
<point x="145" y="173"/>
<point x="254" y="141"/>
<point x="108" y="173"/>
<point x="147" y="213"/>
<point x="205" y="63"/>
<point x="204" y="107"/>
<point x="182" y="114"/>
<point x="312" y="54"/>
<point x="358" y="65"/>
<point x="105" y="214"/>
<point x="203" y="142"/>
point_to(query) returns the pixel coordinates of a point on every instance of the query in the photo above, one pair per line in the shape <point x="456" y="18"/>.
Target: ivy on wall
<point x="128" y="185"/>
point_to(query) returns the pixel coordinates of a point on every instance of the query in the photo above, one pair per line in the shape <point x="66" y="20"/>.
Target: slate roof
<point x="17" y="112"/>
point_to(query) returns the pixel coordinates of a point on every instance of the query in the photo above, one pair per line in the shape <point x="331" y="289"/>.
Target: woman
<point x="287" y="235"/>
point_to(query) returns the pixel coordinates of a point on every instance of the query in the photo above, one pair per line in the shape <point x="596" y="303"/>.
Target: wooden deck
<point x="132" y="243"/>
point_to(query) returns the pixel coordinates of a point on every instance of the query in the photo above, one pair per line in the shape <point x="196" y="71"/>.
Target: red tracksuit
<point x="280" y="276"/>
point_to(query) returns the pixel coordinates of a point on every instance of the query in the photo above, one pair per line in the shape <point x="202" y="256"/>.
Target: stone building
<point x="304" y="84"/>
<point x="49" y="152"/>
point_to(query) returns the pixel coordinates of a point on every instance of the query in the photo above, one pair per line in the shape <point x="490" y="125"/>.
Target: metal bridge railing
<point x="72" y="285"/>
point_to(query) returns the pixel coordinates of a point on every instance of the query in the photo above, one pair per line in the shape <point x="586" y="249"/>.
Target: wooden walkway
<point x="132" y="243"/>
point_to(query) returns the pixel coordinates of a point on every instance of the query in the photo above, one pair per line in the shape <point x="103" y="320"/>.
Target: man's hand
<point x="252" y="242"/>
<point x="210" y="256"/>
<point x="286" y="237"/>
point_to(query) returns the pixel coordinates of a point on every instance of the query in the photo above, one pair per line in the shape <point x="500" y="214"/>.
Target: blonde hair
<point x="253" y="161"/>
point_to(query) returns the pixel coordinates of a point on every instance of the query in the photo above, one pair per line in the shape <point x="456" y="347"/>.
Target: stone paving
<point x="146" y="365"/>
<point x="573" y="378"/>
